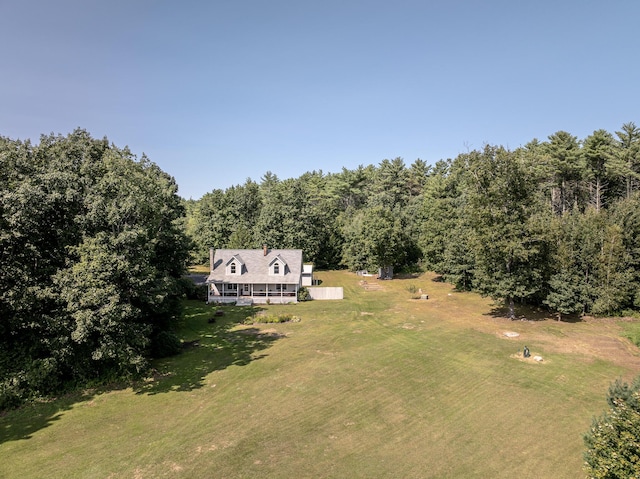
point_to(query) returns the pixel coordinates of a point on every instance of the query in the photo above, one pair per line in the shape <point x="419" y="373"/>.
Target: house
<point x="247" y="276"/>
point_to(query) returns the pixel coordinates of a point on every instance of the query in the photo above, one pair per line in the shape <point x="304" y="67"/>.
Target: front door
<point x="246" y="290"/>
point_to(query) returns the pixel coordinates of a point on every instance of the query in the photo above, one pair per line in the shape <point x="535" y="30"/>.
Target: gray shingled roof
<point x="256" y="266"/>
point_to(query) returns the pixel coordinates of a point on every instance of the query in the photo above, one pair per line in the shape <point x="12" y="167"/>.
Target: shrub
<point x="193" y="291"/>
<point x="272" y="318"/>
<point x="12" y="393"/>
<point x="303" y="294"/>
<point x="165" y="344"/>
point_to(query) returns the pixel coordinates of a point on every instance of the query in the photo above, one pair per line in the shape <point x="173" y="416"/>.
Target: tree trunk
<point x="512" y="308"/>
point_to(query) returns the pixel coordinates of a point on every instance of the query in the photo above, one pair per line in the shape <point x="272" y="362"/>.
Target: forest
<point x="554" y="223"/>
<point x="94" y="242"/>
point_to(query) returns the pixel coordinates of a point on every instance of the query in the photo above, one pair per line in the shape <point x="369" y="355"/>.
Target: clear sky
<point x="219" y="91"/>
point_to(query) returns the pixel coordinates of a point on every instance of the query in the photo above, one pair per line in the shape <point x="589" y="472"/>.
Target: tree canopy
<point x="94" y="241"/>
<point x="92" y="251"/>
<point x="551" y="223"/>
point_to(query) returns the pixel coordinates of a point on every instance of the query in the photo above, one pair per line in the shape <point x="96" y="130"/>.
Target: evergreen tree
<point x="613" y="441"/>
<point x="628" y="152"/>
<point x="562" y="155"/>
<point x="602" y="167"/>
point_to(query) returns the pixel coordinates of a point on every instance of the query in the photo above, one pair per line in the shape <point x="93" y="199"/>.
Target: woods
<point x="553" y="223"/>
<point x="94" y="242"/>
<point x="92" y="251"/>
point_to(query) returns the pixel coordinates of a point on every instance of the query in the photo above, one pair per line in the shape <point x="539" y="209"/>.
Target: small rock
<point x="537" y="358"/>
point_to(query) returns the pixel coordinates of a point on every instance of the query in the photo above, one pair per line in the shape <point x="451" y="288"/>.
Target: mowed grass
<point x="378" y="385"/>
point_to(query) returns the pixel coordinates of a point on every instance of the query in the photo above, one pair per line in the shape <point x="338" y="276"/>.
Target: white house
<point x="249" y="276"/>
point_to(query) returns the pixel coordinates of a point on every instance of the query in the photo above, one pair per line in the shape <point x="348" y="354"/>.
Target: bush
<point x="193" y="291"/>
<point x="271" y="318"/>
<point x="303" y="294"/>
<point x="165" y="344"/>
<point x="39" y="378"/>
<point x="12" y="393"/>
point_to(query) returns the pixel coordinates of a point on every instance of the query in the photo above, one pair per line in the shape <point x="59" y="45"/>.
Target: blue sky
<point x="216" y="92"/>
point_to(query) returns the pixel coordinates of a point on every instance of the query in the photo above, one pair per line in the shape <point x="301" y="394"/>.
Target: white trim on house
<point x="261" y="275"/>
<point x="277" y="266"/>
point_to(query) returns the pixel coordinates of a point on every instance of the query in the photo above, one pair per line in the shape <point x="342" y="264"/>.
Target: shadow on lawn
<point x="22" y="423"/>
<point x="531" y="313"/>
<point x="208" y="347"/>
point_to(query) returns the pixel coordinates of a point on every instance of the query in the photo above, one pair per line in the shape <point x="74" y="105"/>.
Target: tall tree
<point x="613" y="278"/>
<point x="626" y="214"/>
<point x="563" y="161"/>
<point x="500" y="201"/>
<point x="390" y="185"/>
<point x="444" y="234"/>
<point x="212" y="224"/>
<point x="629" y="155"/>
<point x="375" y="237"/>
<point x="93" y="245"/>
<point x="571" y="267"/>
<point x="600" y="166"/>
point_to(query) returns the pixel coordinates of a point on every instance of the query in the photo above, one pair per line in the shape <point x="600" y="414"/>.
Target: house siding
<point x="257" y="272"/>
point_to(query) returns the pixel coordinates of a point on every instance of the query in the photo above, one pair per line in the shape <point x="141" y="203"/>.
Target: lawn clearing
<point x="378" y="385"/>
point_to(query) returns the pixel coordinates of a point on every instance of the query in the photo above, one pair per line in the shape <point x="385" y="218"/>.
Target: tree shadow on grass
<point x="530" y="313"/>
<point x="22" y="423"/>
<point x="208" y="346"/>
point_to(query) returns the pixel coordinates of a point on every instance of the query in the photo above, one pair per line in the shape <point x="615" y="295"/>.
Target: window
<point x="233" y="268"/>
<point x="276" y="268"/>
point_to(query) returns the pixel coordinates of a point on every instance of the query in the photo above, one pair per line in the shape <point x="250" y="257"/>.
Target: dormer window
<point x="235" y="266"/>
<point x="277" y="266"/>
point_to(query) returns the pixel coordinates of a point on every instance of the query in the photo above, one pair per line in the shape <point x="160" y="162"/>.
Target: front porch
<point x="280" y="293"/>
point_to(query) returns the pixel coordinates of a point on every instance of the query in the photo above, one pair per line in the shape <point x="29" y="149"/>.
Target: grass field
<point x="378" y="385"/>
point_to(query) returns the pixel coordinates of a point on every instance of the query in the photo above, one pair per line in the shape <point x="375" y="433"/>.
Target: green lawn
<point x="375" y="386"/>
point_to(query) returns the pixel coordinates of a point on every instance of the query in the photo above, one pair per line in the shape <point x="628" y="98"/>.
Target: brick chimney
<point x="264" y="249"/>
<point x="210" y="259"/>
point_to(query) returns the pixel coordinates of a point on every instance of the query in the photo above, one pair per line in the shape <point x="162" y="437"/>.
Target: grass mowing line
<point x="409" y="389"/>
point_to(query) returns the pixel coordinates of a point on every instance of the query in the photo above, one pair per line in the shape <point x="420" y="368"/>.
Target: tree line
<point x="554" y="223"/>
<point x="94" y="242"/>
<point x="92" y="254"/>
